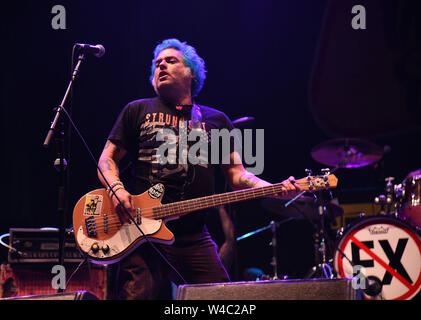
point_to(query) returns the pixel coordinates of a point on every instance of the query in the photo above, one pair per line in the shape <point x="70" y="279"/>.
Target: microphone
<point x="97" y="51"/>
<point x="374" y="286"/>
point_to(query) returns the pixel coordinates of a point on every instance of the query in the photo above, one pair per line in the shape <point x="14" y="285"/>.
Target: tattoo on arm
<point x="248" y="180"/>
<point x="107" y="164"/>
<point x="114" y="151"/>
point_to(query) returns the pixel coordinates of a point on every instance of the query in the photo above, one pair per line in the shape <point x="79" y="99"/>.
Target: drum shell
<point x="413" y="251"/>
<point x="410" y="203"/>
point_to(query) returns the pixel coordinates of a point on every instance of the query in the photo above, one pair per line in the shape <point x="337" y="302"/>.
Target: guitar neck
<point x="312" y="183"/>
<point x="186" y="206"/>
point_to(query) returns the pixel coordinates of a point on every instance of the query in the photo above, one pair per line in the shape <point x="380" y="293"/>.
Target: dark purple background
<point x="296" y="66"/>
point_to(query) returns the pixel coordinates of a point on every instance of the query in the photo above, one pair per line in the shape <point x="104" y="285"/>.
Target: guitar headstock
<point x="315" y="183"/>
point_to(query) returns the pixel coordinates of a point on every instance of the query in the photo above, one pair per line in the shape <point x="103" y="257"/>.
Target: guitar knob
<point x="95" y="247"/>
<point x="105" y="248"/>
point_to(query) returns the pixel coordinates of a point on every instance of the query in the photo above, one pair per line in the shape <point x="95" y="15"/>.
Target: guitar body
<point x="101" y="236"/>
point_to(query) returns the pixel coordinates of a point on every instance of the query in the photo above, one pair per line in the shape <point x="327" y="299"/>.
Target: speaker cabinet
<point x="36" y="279"/>
<point x="79" y="295"/>
<point x="312" y="289"/>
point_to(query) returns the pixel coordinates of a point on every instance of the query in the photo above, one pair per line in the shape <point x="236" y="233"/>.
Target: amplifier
<point x="78" y="295"/>
<point x="26" y="279"/>
<point x="311" y="289"/>
<point x="41" y="246"/>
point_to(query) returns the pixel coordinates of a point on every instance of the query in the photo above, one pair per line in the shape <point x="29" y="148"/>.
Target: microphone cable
<point x="121" y="204"/>
<point x="108" y="184"/>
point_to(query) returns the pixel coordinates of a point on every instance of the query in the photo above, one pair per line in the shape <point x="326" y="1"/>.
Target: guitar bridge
<point x="90" y="226"/>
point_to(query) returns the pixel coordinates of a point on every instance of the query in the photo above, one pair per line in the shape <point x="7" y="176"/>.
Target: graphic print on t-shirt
<point x="164" y="143"/>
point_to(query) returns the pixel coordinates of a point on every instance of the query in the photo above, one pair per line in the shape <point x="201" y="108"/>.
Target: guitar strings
<point x="149" y="211"/>
<point x="162" y="211"/>
<point x="113" y="219"/>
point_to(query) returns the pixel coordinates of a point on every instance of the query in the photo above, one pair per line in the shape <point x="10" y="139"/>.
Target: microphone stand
<point x="60" y="164"/>
<point x="61" y="161"/>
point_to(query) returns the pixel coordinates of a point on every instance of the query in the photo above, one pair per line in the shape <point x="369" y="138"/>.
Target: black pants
<point x="145" y="275"/>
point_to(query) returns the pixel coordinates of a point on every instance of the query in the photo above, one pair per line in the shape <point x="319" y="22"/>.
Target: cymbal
<point x="243" y="122"/>
<point x="302" y="208"/>
<point x="347" y="153"/>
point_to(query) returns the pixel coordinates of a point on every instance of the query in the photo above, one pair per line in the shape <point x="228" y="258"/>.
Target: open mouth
<point x="162" y="75"/>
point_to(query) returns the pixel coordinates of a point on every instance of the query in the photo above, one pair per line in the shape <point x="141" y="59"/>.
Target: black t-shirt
<point x="143" y="127"/>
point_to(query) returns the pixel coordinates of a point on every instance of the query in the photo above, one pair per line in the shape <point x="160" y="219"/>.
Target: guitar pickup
<point x="90" y="226"/>
<point x="105" y="223"/>
<point x="138" y="216"/>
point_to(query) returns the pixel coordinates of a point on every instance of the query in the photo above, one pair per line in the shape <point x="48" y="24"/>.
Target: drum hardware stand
<point x="273" y="225"/>
<point x="319" y="234"/>
<point x="274" y="263"/>
<point x="273" y="244"/>
<point x="385" y="201"/>
<point x="321" y="264"/>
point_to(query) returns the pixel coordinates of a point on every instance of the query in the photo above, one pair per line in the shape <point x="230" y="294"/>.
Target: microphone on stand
<point x="374" y="286"/>
<point x="97" y="51"/>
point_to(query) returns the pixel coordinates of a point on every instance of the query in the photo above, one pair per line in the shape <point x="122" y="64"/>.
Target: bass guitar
<point x="104" y="239"/>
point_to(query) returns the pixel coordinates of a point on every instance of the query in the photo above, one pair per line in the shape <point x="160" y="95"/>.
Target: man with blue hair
<point x="190" y="59"/>
<point x="177" y="76"/>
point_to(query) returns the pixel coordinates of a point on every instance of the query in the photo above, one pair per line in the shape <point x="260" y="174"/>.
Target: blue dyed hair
<point x="190" y="58"/>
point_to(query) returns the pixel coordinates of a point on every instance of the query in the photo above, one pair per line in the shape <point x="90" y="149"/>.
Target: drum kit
<point x="380" y="252"/>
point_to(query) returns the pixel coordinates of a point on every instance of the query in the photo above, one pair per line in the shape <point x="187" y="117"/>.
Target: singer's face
<point x="171" y="73"/>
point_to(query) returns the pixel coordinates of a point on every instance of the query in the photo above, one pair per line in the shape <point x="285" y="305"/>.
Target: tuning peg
<point x="325" y="171"/>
